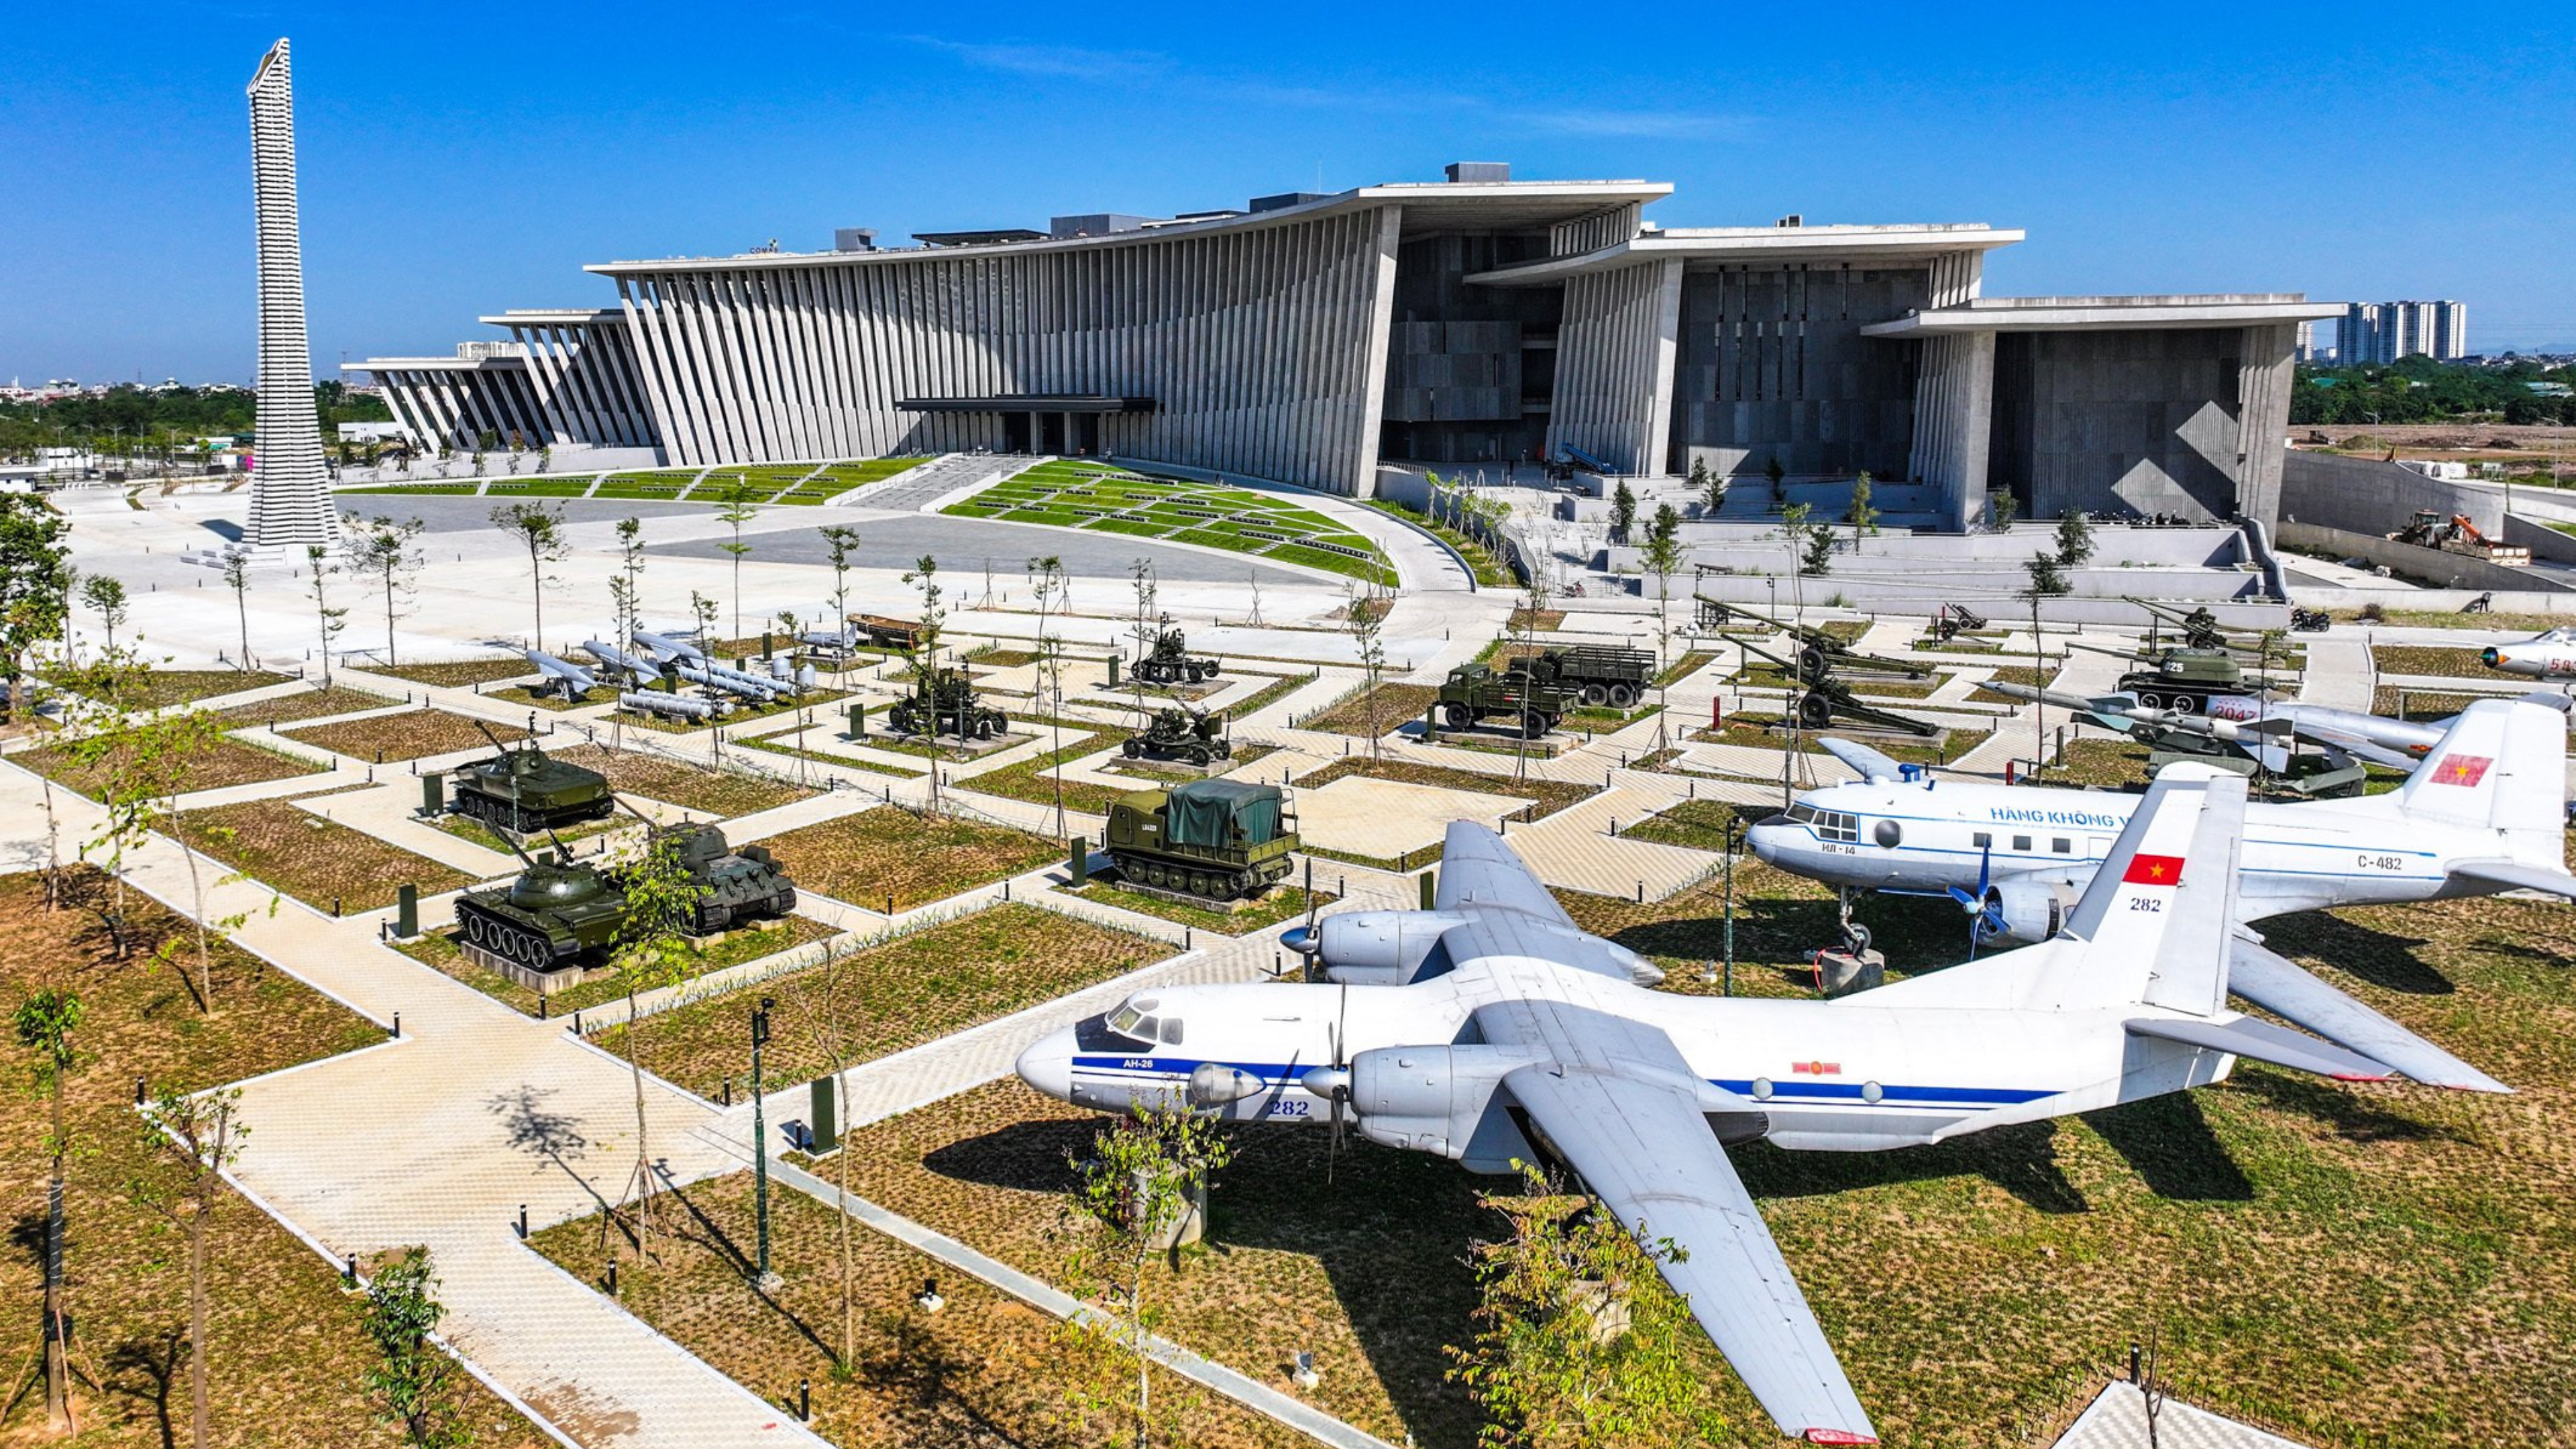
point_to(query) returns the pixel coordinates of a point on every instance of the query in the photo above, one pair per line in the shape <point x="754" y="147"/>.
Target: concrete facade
<point x="290" y="490"/>
<point x="1474" y="322"/>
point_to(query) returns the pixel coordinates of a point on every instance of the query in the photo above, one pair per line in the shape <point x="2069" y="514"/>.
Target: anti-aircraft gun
<point x="1819" y="653"/>
<point x="1169" y="661"/>
<point x="1827" y="698"/>
<point x="1190" y="734"/>
<point x="524" y="791"/>
<point x="946" y="703"/>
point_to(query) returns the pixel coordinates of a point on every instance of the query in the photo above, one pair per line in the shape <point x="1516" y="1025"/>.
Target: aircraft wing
<point x="2513" y="876"/>
<point x="1872" y="765"/>
<point x="1477" y="869"/>
<point x="1620" y="1106"/>
<point x="2281" y="987"/>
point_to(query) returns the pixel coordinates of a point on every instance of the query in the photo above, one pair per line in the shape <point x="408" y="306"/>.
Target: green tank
<point x="1192" y="735"/>
<point x="1216" y="840"/>
<point x="2184" y="679"/>
<point x="558" y="914"/>
<point x="525" y="792"/>
<point x="946" y="705"/>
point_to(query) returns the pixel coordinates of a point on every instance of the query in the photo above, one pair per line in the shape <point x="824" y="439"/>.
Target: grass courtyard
<point x="1070" y="493"/>
<point x="797" y="484"/>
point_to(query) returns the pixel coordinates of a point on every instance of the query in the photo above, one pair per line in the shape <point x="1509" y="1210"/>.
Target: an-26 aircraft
<point x="1491" y="1030"/>
<point x="2485" y="813"/>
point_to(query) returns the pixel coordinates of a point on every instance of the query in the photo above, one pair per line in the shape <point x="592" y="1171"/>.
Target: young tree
<point x="1146" y="1174"/>
<point x="237" y="579"/>
<point x="539" y="530"/>
<point x="1365" y="616"/>
<point x="1772" y="470"/>
<point x="1046" y="580"/>
<point x="827" y="1001"/>
<point x="382" y="547"/>
<point x="1579" y="1341"/>
<point x="1818" y="559"/>
<point x="736" y="506"/>
<point x="45" y="1022"/>
<point x="1663" y="557"/>
<point x="417" y="1382"/>
<point x="1709" y="484"/>
<point x="2074" y="538"/>
<point x="2047" y="578"/>
<point x="106" y="597"/>
<point x="628" y="601"/>
<point x="328" y="621"/>
<point x="1623" y="512"/>
<point x="2005" y="505"/>
<point x="840" y="542"/>
<point x="1143" y="630"/>
<point x="925" y="653"/>
<point x="35" y="588"/>
<point x="1864" y="519"/>
<point x="193" y="1140"/>
<point x="651" y="950"/>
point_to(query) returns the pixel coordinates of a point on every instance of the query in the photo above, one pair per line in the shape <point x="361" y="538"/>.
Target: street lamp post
<point x="760" y="1138"/>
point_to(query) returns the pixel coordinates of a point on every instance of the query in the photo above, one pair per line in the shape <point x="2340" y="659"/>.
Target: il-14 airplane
<point x="2550" y="655"/>
<point x="1492" y="1030"/>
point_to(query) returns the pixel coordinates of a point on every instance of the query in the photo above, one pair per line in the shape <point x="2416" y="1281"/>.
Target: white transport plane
<point x="1491" y="1029"/>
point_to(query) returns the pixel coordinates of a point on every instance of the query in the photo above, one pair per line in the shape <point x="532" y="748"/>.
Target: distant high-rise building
<point x="290" y="493"/>
<point x="2306" y="348"/>
<point x="2377" y="332"/>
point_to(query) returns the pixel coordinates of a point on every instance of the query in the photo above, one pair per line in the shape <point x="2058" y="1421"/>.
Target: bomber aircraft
<point x="1491" y="1030"/>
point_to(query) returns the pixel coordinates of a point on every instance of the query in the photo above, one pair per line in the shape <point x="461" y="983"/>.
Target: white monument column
<point x="290" y="492"/>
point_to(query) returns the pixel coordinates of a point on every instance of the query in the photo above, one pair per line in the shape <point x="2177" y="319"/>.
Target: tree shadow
<point x="532" y="1127"/>
<point x="2381" y="958"/>
<point x="157" y="1361"/>
<point x="921" y="1376"/>
<point x="2168" y="1142"/>
<point x="717" y="1241"/>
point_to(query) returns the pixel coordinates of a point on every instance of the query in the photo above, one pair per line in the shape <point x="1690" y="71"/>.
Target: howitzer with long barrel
<point x="1827" y="699"/>
<point x="1819" y="652"/>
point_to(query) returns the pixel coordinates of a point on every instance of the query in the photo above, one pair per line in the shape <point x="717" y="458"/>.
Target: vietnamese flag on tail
<point x="2163" y="870"/>
<point x="2461" y="769"/>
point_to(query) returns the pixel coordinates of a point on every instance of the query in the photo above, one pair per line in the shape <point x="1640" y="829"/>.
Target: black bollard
<point x="523" y="1222"/>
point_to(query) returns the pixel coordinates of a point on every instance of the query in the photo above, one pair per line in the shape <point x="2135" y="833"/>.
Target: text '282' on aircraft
<point x="1491" y="1030"/>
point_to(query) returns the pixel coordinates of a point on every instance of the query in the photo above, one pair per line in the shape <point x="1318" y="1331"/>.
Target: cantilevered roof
<point x="555" y="317"/>
<point x="2108" y="314"/>
<point x="1763" y="245"/>
<point x="433" y="364"/>
<point x="1428" y="206"/>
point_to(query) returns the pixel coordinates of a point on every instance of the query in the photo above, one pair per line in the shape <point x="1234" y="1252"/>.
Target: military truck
<point x="522" y="791"/>
<point x="946" y="704"/>
<point x="1602" y="673"/>
<point x="1193" y="735"/>
<point x="558" y="914"/>
<point x="1215" y="840"/>
<point x="1170" y="662"/>
<point x="1475" y="692"/>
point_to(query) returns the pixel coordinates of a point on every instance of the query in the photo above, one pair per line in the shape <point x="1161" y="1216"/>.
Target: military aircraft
<point x="1491" y="1030"/>
<point x="2550" y="654"/>
<point x="571" y="680"/>
<point x="2262" y="729"/>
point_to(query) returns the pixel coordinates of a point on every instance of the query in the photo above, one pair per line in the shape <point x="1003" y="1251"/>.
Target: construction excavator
<point x="2428" y="529"/>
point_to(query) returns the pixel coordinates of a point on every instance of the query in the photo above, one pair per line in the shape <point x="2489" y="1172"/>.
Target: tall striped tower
<point x="290" y="493"/>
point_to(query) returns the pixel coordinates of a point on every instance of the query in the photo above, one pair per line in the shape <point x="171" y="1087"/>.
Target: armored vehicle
<point x="559" y="914"/>
<point x="946" y="705"/>
<point x="1474" y="692"/>
<point x="1193" y="735"/>
<point x="1170" y="663"/>
<point x="523" y="791"/>
<point x="1602" y="673"/>
<point x="1214" y="839"/>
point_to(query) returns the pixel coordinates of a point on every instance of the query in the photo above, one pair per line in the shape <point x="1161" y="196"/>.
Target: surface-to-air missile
<point x="570" y="680"/>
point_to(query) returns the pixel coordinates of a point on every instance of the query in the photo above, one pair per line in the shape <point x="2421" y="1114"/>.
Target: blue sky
<point x="461" y="159"/>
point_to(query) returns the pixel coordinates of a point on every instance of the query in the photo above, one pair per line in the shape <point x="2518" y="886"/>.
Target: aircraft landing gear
<point x="1856" y="936"/>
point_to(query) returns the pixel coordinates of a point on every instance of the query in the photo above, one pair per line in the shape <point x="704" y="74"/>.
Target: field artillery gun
<point x="1614" y="675"/>
<point x="1169" y="661"/>
<point x="1475" y="692"/>
<point x="1179" y="733"/>
<point x="524" y="791"/>
<point x="1825" y="699"/>
<point x="1953" y="620"/>
<point x="1819" y="653"/>
<point x="557" y="914"/>
<point x="946" y="703"/>
<point x="1208" y="841"/>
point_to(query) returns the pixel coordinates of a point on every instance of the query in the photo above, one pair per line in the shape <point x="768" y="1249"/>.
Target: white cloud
<point x="1068" y="61"/>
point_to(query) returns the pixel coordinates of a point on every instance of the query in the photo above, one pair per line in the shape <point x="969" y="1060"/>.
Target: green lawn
<point x="786" y="484"/>
<point x="1070" y="493"/>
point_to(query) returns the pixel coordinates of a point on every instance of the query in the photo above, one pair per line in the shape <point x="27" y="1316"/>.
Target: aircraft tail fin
<point x="2154" y="923"/>
<point x="2502" y="765"/>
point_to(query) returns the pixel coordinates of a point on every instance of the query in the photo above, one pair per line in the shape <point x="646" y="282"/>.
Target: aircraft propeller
<point x="1985" y="914"/>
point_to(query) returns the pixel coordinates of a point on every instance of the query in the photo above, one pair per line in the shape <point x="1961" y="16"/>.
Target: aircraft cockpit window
<point x="1135" y="1018"/>
<point x="1171" y="1032"/>
<point x="1837" y="825"/>
<point x="1803" y="814"/>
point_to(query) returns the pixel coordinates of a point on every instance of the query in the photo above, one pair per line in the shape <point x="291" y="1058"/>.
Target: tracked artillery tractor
<point x="1185" y="734"/>
<point x="523" y="791"/>
<point x="1826" y="699"/>
<point x="1818" y="653"/>
<point x="558" y="914"/>
<point x="1170" y="661"/>
<point x="1208" y="840"/>
<point x="946" y="704"/>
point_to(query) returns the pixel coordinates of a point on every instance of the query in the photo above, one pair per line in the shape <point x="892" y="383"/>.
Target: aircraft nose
<point x="2492" y="657"/>
<point x="1765" y="837"/>
<point x="1047" y="1064"/>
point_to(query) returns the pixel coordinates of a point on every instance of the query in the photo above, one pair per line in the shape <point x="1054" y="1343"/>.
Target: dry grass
<point x="1548" y="796"/>
<point x="224" y="763"/>
<point x="986" y="1370"/>
<point x="161" y="688"/>
<point x="1394" y="705"/>
<point x="409" y="735"/>
<point x="1238" y="918"/>
<point x="285" y="1343"/>
<point x="720" y="793"/>
<point x="1028" y="780"/>
<point x="890" y="853"/>
<point x="898" y="994"/>
<point x="2420" y="705"/>
<point x="2427" y="659"/>
<point x="438" y="951"/>
<point x="460" y="674"/>
<point x="303" y="704"/>
<point x="279" y="843"/>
